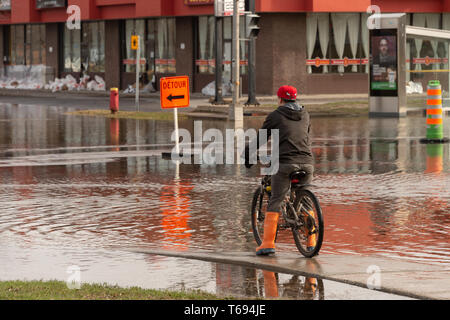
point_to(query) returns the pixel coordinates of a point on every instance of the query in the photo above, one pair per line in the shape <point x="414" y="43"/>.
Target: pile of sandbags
<point x="23" y="77"/>
<point x="414" y="87"/>
<point x="210" y="89"/>
<point x="19" y="84"/>
<point x="69" y="83"/>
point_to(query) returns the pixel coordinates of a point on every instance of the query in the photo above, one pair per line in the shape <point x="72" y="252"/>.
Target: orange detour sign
<point x="174" y="92"/>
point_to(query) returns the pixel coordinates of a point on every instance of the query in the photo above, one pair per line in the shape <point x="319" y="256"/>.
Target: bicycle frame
<point x="292" y="223"/>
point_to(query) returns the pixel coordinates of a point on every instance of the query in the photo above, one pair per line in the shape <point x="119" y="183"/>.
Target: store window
<point x="228" y="36"/>
<point x="27" y="45"/>
<point x="165" y="37"/>
<point x="72" y="50"/>
<point x="206" y="55"/>
<point x="206" y="41"/>
<point x="35" y="44"/>
<point x="337" y="42"/>
<point x="93" y="47"/>
<point x="84" y="50"/>
<point x="423" y="54"/>
<point x="134" y="27"/>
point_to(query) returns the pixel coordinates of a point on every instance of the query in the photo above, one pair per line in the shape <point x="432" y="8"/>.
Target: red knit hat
<point x="287" y="93"/>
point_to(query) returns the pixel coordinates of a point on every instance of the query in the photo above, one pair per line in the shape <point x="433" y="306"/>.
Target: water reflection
<point x="237" y="281"/>
<point x="175" y="209"/>
<point x="114" y="133"/>
<point x="102" y="182"/>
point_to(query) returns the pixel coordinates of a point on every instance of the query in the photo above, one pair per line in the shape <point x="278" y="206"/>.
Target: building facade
<point x="320" y="46"/>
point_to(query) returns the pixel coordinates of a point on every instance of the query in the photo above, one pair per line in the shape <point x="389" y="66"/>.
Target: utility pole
<point x="252" y="64"/>
<point x="219" y="58"/>
<point x="236" y="111"/>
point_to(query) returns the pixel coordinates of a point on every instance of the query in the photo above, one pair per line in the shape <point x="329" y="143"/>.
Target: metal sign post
<point x="175" y="94"/>
<point x="135" y="45"/>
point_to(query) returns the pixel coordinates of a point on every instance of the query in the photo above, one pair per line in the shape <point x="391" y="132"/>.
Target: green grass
<point x="126" y="114"/>
<point x="58" y="290"/>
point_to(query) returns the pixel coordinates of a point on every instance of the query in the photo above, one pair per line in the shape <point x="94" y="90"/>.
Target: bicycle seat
<point x="297" y="176"/>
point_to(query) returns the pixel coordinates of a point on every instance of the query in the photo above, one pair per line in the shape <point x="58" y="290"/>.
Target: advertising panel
<point x="383" y="62"/>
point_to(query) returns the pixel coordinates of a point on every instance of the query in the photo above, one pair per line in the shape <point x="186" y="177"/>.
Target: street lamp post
<point x="252" y="64"/>
<point x="219" y="58"/>
<point x="236" y="112"/>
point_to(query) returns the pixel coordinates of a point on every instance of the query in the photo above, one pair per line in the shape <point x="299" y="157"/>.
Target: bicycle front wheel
<point x="308" y="236"/>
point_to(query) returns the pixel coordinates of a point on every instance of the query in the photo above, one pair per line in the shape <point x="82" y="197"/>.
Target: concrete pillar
<point x="281" y="52"/>
<point x="2" y="49"/>
<point x="113" y="61"/>
<point x="185" y="48"/>
<point x="289" y="54"/>
<point x="53" y="48"/>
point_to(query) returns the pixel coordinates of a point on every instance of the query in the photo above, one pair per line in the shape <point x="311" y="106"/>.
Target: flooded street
<point x="75" y="190"/>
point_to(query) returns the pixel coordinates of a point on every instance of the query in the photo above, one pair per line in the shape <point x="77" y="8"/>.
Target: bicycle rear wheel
<point x="308" y="236"/>
<point x="258" y="213"/>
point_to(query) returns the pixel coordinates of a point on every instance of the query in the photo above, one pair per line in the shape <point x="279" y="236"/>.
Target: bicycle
<point x="301" y="212"/>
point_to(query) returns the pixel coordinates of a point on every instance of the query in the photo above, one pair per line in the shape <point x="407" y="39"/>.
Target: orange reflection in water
<point x="386" y="227"/>
<point x="435" y="158"/>
<point x="238" y="281"/>
<point x="114" y="131"/>
<point x="175" y="208"/>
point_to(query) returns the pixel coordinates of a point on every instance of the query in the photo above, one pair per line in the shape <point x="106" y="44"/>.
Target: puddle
<point x="72" y="181"/>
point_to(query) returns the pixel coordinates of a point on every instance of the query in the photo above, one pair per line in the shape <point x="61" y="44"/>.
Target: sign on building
<point x="224" y="8"/>
<point x="42" y="4"/>
<point x="197" y="2"/>
<point x="5" y="5"/>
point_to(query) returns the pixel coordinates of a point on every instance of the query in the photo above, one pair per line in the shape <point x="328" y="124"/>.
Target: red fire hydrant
<point x="114" y="100"/>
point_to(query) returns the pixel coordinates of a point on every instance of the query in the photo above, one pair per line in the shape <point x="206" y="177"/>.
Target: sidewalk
<point x="264" y="99"/>
<point x="342" y="105"/>
<point x="399" y="277"/>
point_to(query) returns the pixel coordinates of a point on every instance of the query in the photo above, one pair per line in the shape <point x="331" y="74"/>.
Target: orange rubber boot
<point x="270" y="231"/>
<point x="312" y="239"/>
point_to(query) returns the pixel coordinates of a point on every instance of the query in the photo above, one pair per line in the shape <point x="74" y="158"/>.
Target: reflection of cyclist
<point x="293" y="123"/>
<point x="308" y="289"/>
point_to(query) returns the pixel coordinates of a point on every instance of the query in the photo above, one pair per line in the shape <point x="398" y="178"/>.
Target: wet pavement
<point x="74" y="189"/>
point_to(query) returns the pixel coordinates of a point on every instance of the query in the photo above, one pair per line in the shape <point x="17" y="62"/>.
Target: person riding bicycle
<point x="293" y="122"/>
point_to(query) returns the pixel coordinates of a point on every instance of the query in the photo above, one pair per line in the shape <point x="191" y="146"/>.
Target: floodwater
<point x="74" y="190"/>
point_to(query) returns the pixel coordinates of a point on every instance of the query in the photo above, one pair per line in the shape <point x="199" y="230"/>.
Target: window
<point x="426" y="54"/>
<point x="93" y="47"/>
<point x="206" y="55"/>
<point x="165" y="45"/>
<point x="28" y="45"/>
<point x="18" y="45"/>
<point x="134" y="27"/>
<point x="337" y="42"/>
<point x="72" y="50"/>
<point x="84" y="50"/>
<point x="227" y="46"/>
<point x="206" y="43"/>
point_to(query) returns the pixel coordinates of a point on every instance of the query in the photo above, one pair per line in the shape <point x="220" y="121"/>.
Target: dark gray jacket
<point x="293" y="123"/>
